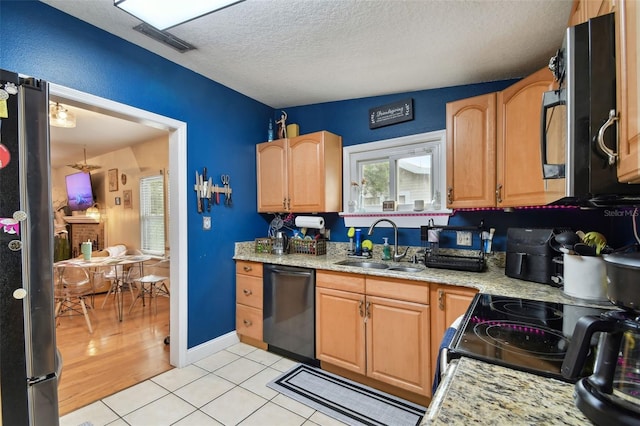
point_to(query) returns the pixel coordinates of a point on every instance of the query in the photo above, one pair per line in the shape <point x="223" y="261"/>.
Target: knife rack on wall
<point x="208" y="194"/>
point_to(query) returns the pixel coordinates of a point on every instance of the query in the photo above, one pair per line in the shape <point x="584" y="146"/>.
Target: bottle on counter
<point x="358" y="241"/>
<point x="270" y="131"/>
<point x="386" y="250"/>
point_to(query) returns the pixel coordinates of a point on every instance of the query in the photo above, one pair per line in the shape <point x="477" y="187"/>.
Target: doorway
<point x="177" y="188"/>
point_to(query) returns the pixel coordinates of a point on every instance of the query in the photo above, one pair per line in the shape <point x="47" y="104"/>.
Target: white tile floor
<point x="227" y="388"/>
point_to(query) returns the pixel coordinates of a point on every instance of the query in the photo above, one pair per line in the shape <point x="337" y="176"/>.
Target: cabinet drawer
<point x="249" y="268"/>
<point x="340" y="281"/>
<point x="249" y="321"/>
<point x="249" y="290"/>
<point x="398" y="289"/>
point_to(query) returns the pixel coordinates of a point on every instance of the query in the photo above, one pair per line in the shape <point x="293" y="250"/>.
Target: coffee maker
<point x="611" y="395"/>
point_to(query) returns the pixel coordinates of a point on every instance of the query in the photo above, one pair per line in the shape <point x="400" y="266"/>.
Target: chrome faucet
<point x="396" y="256"/>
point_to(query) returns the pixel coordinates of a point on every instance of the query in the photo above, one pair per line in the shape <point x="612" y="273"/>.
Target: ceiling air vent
<point x="164" y="37"/>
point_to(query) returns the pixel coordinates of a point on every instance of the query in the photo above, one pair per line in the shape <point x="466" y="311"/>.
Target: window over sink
<point x="404" y="170"/>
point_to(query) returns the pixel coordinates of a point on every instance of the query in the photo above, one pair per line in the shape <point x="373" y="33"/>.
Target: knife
<point x="210" y="194"/>
<point x="203" y="193"/>
<point x="197" y="188"/>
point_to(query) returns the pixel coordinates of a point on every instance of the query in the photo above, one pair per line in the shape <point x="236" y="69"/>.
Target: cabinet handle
<point x="498" y="193"/>
<point x="247" y="268"/>
<point x="247" y="323"/>
<point x="284" y="203"/>
<point x="611" y="154"/>
<point x="247" y="292"/>
<point x="450" y="195"/>
<point x="367" y="310"/>
<point x="360" y="303"/>
<point x="288" y="203"/>
<point x="441" y="299"/>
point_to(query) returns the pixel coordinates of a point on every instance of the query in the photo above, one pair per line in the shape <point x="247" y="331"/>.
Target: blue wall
<point x="38" y="40"/>
<point x="43" y="42"/>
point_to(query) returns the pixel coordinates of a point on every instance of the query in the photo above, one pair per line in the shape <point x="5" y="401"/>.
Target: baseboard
<point x="209" y="348"/>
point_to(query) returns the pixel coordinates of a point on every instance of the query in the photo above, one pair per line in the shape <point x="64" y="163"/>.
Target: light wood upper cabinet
<point x="627" y="18"/>
<point x="583" y="10"/>
<point x="301" y="174"/>
<point x="471" y="152"/>
<point x="493" y="148"/>
<point x="519" y="179"/>
<point x="449" y="303"/>
<point x="272" y="175"/>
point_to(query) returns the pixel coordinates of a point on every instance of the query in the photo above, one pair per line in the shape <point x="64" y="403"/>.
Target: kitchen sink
<point x="405" y="269"/>
<point x="363" y="264"/>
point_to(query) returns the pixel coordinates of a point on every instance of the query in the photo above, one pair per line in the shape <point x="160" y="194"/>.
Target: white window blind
<point x="152" y="224"/>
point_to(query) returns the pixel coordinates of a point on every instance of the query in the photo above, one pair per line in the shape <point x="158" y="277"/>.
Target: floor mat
<point x="347" y="401"/>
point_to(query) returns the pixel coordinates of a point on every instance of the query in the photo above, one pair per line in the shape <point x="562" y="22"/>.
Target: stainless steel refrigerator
<point x="29" y="365"/>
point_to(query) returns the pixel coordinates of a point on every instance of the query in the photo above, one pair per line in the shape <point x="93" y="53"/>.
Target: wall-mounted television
<point x="79" y="191"/>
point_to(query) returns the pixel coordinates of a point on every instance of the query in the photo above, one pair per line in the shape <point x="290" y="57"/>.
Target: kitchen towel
<point x="314" y="222"/>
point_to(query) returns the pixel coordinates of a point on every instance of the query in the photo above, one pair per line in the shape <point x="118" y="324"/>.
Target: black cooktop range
<point x="527" y="335"/>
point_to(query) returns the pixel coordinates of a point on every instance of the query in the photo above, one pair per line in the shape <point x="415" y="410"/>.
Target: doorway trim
<point x="178" y="307"/>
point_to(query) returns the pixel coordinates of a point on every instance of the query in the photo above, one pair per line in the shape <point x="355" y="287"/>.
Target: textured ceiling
<point x="298" y="52"/>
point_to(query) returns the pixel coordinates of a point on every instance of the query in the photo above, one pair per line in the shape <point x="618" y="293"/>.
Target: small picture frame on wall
<point x="118" y="201"/>
<point x="113" y="180"/>
<point x="126" y="195"/>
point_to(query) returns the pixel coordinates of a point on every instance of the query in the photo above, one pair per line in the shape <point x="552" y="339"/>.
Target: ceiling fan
<point x="84" y="167"/>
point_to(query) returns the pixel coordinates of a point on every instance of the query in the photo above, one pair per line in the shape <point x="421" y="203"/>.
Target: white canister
<point x="86" y="250"/>
<point x="585" y="277"/>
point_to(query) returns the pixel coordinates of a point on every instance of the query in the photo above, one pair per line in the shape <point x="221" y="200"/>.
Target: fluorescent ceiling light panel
<point x="163" y="14"/>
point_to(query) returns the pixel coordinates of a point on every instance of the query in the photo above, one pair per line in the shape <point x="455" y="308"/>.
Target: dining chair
<point x="71" y="287"/>
<point x="116" y="274"/>
<point x="152" y="285"/>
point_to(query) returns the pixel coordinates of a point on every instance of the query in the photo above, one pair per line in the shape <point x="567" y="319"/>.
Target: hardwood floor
<point x="116" y="356"/>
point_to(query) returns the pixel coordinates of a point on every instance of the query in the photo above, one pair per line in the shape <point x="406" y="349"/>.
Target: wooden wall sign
<point x="393" y="113"/>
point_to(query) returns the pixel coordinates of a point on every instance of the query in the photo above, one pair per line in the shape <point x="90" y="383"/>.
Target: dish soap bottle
<point x="358" y="250"/>
<point x="386" y="250"/>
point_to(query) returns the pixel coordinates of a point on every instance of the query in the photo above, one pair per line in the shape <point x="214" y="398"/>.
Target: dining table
<point x="96" y="263"/>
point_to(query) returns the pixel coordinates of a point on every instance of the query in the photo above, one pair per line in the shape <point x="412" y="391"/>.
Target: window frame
<point x="163" y="178"/>
<point x="434" y="141"/>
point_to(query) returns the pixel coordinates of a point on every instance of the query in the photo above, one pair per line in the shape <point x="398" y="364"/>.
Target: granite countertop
<point x="492" y="281"/>
<point x="471" y="391"/>
<point x="474" y="392"/>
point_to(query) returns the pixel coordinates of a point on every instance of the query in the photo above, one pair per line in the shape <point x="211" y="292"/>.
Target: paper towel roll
<point x="314" y="222"/>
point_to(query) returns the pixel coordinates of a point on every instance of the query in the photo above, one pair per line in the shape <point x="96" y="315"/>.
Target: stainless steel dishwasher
<point x="289" y="311"/>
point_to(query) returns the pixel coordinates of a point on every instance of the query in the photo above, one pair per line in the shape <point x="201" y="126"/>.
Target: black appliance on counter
<point x="611" y="395"/>
<point x="573" y="116"/>
<point x="527" y="335"/>
<point x="530" y="257"/>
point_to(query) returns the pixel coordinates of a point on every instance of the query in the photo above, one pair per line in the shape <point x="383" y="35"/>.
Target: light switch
<point x="206" y="223"/>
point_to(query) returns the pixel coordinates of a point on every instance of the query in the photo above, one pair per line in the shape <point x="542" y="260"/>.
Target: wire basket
<point x="264" y="245"/>
<point x="312" y="247"/>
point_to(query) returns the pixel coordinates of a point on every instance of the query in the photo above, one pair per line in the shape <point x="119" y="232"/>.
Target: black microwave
<point x="579" y="119"/>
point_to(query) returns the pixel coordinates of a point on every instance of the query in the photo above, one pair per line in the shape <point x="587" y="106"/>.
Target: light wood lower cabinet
<point x="450" y="302"/>
<point x="249" y="300"/>
<point x="377" y="327"/>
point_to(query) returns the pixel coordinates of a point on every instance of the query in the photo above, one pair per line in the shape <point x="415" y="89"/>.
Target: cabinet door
<point x="452" y="302"/>
<point x="471" y="152"/>
<point x="340" y="329"/>
<point x="519" y="163"/>
<point x="583" y="10"/>
<point x="628" y="92"/>
<point x="398" y="344"/>
<point x="271" y="165"/>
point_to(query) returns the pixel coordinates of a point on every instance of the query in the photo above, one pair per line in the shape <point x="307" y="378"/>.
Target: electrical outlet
<point x="463" y="238"/>
<point x="206" y="223"/>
